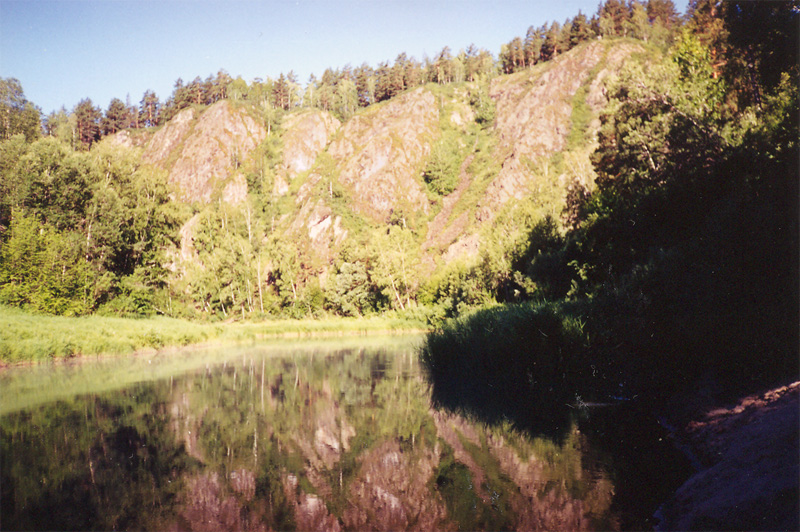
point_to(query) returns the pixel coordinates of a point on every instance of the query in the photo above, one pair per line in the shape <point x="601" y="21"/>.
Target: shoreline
<point x="82" y="358"/>
<point x="28" y="339"/>
<point x="747" y="465"/>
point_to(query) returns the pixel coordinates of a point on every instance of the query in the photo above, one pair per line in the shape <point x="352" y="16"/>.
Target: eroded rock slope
<point x="202" y="154"/>
<point x="368" y="171"/>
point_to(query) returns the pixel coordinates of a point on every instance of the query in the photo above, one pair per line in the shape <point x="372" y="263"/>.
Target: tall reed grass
<point x="524" y="363"/>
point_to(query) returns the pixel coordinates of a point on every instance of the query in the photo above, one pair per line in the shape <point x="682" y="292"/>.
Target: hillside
<point x="319" y="189"/>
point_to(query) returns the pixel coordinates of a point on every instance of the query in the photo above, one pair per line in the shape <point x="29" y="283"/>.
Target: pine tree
<point x="550" y="47"/>
<point x="365" y="85"/>
<point x="280" y="92"/>
<point x="443" y="66"/>
<point x="613" y="15"/>
<point x="88" y="122"/>
<point x="534" y="39"/>
<point x="149" y="109"/>
<point x="579" y="30"/>
<point x="116" y="117"/>
<point x="663" y="11"/>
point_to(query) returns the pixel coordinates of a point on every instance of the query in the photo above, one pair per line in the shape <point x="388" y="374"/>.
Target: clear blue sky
<point x="64" y="51"/>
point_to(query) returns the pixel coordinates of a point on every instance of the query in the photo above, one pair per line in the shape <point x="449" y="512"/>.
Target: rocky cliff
<point x="328" y="180"/>
<point x="378" y="154"/>
<point x="202" y="153"/>
<point x="307" y="133"/>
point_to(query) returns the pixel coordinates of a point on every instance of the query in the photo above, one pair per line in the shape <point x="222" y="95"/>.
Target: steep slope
<point x="378" y="153"/>
<point x="305" y="135"/>
<point x="203" y="153"/>
<point x="535" y="116"/>
<point x="533" y="119"/>
<point x="373" y="164"/>
<point x="318" y="184"/>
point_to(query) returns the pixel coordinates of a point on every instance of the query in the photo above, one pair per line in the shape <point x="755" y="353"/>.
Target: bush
<point x="442" y="171"/>
<point x="523" y="362"/>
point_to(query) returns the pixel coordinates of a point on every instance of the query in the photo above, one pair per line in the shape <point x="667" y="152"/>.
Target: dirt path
<point x="749" y="477"/>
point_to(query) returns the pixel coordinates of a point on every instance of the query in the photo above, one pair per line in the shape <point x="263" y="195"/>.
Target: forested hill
<point x="239" y="208"/>
<point x="421" y="188"/>
<point x="677" y="274"/>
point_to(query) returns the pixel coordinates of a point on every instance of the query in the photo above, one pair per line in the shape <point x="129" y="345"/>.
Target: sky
<point x="66" y="50"/>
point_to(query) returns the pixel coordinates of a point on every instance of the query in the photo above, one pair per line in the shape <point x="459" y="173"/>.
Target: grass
<point x="26" y="337"/>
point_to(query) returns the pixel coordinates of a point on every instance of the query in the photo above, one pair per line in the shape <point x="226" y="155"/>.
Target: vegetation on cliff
<point x="680" y="268"/>
<point x="625" y="176"/>
<point x="235" y="200"/>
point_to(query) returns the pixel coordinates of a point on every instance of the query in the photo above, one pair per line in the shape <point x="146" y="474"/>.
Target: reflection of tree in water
<point x="92" y="463"/>
<point x="317" y="440"/>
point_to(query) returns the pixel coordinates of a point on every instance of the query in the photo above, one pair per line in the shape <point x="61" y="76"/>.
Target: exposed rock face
<point x="305" y="135"/>
<point x="121" y="138"/>
<point x="612" y="62"/>
<point x="168" y="137"/>
<point x="206" y="506"/>
<point x="310" y="512"/>
<point x="391" y="492"/>
<point x="379" y="154"/>
<point x="323" y="229"/>
<point x="374" y="160"/>
<point x="533" y="115"/>
<point x="553" y="510"/>
<point x="221" y="139"/>
<point x="533" y="119"/>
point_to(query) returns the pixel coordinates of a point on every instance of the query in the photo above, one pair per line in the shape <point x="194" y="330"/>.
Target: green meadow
<point x="26" y="337"/>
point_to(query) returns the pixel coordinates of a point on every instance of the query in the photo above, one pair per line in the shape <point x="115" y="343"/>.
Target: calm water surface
<point x="304" y="435"/>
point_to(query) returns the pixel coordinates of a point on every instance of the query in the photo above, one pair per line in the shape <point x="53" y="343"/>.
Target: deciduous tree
<point x="17" y="114"/>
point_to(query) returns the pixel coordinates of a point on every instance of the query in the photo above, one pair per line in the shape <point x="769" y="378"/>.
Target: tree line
<point x="342" y="91"/>
<point x="678" y="271"/>
<point x="653" y="20"/>
<point x="69" y="249"/>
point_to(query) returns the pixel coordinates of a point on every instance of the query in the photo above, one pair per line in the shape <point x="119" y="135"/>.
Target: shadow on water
<point x="624" y="439"/>
<point x="495" y="404"/>
<point x="645" y="465"/>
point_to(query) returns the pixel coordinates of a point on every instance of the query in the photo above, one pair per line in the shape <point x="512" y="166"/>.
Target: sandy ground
<point x="748" y="460"/>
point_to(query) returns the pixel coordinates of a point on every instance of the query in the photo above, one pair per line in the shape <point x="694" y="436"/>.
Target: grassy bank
<point x="26" y="337"/>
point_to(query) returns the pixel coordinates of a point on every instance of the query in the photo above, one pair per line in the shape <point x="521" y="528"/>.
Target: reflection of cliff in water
<point x="342" y="440"/>
<point x="349" y="441"/>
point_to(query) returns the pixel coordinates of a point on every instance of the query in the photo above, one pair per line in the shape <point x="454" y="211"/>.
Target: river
<point x="306" y="435"/>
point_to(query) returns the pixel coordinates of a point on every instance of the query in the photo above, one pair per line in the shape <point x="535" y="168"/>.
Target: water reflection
<point x="318" y="438"/>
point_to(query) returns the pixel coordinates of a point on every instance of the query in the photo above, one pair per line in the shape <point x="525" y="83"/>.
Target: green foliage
<point x="26" y="336"/>
<point x="455" y="290"/>
<point x="19" y="116"/>
<point x="352" y="291"/>
<point x="397" y="262"/>
<point x="441" y="173"/>
<point x="455" y="484"/>
<point x="87" y="220"/>
<point x="521" y="361"/>
<point x="483" y="105"/>
<point x="673" y="251"/>
<point x="43" y="269"/>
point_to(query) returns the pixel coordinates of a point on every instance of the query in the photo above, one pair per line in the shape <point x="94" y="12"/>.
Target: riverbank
<point x="748" y="460"/>
<point x="27" y="338"/>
